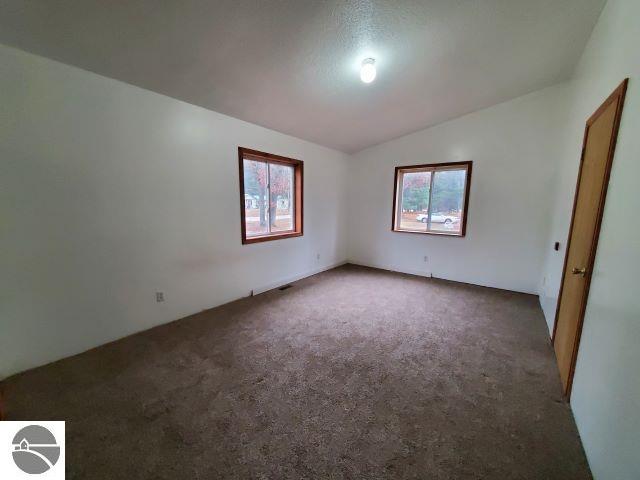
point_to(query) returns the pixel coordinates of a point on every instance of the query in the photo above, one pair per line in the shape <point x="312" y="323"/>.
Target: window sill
<point x="273" y="236"/>
<point x="440" y="234"/>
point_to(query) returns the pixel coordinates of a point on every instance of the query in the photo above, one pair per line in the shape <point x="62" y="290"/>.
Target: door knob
<point x="579" y="271"/>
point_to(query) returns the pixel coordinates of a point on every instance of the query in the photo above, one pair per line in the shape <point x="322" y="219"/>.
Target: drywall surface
<point x="513" y="149"/>
<point x="110" y="193"/>
<point x="606" y="388"/>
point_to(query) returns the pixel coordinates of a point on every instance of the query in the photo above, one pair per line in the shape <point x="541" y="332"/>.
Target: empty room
<point x="319" y="239"/>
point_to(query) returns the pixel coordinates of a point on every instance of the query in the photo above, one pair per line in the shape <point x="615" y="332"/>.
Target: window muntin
<point x="281" y="207"/>
<point x="432" y="199"/>
<point x="271" y="196"/>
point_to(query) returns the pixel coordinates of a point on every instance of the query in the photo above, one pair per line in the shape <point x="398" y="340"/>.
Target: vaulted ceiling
<point x="292" y="65"/>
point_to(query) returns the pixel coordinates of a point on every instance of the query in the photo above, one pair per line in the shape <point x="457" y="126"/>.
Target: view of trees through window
<point x="431" y="198"/>
<point x="268" y="205"/>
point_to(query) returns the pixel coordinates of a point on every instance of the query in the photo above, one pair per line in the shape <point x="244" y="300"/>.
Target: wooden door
<point x="595" y="166"/>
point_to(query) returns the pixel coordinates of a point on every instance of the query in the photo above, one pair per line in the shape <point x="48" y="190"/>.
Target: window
<point x="270" y="196"/>
<point x="432" y="198"/>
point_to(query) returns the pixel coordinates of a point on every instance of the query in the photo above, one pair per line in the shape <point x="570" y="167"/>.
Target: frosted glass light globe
<point x="368" y="70"/>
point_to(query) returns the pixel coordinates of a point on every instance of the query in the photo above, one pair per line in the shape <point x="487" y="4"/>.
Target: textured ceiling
<point x="293" y="65"/>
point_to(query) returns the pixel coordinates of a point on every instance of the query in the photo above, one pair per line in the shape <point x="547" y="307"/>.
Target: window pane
<point x="447" y="200"/>
<point x="415" y="200"/>
<point x="256" y="213"/>
<point x="281" y="202"/>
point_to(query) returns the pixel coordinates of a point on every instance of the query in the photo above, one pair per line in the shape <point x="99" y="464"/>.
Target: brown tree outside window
<point x="270" y="196"/>
<point x="432" y="198"/>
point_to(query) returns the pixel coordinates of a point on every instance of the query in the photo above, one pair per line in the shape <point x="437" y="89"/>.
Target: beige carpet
<point x="354" y="373"/>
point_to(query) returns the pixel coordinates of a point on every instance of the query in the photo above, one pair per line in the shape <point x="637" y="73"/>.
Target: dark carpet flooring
<point x="354" y="373"/>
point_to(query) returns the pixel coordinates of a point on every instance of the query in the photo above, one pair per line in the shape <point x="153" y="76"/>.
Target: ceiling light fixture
<point x="368" y="70"/>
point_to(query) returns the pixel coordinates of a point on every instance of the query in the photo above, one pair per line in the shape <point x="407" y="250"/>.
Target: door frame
<point x="618" y="96"/>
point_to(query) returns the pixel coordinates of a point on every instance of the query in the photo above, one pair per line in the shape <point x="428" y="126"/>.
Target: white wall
<point x="109" y="193"/>
<point x="513" y="146"/>
<point x="606" y="388"/>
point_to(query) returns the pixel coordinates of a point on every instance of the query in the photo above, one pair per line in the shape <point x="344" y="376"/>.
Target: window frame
<point x="432" y="167"/>
<point x="298" y="183"/>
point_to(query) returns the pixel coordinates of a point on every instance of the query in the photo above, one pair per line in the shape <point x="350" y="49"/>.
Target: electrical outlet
<point x="426" y="259"/>
<point x="317" y="256"/>
<point x="159" y="296"/>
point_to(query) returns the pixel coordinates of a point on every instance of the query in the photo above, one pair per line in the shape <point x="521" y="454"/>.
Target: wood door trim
<point x="618" y="96"/>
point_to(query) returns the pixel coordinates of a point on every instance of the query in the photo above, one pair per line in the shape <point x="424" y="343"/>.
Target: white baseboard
<point x="284" y="281"/>
<point x="548" y="306"/>
<point x="392" y="268"/>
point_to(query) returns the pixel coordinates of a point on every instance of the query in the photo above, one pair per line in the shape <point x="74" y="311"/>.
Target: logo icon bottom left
<point x="35" y="449"/>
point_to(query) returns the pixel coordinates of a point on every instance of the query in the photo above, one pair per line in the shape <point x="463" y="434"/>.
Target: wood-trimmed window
<point x="270" y="196"/>
<point x="432" y="199"/>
